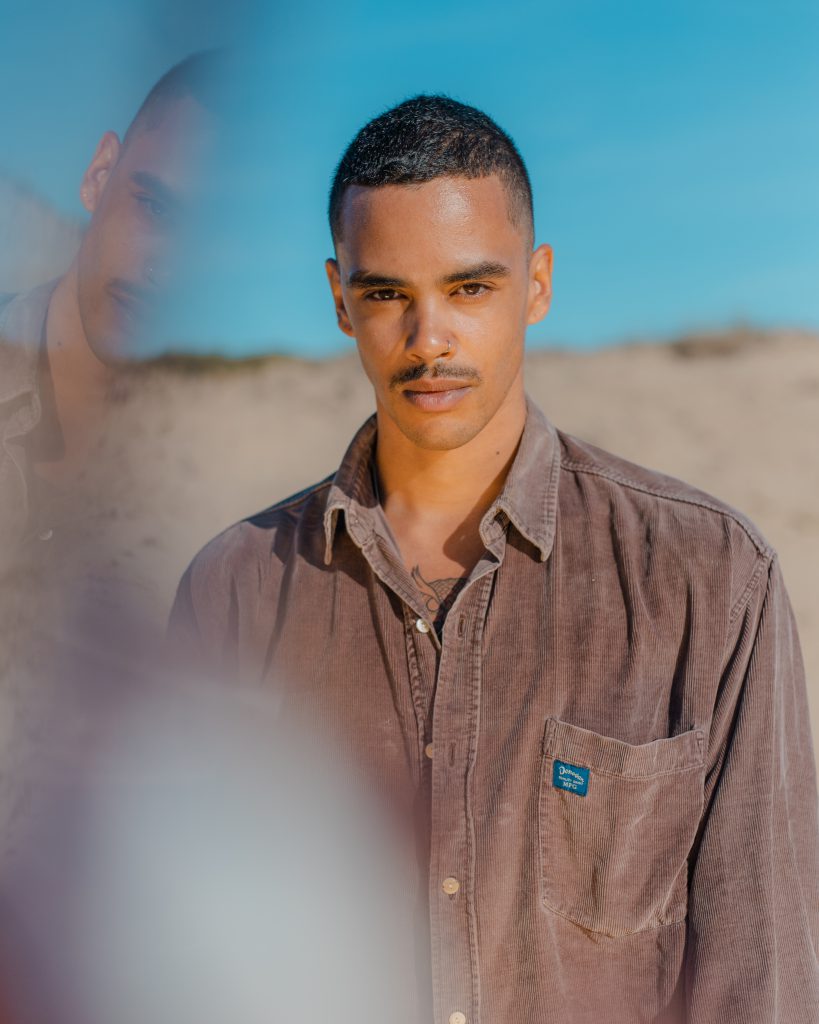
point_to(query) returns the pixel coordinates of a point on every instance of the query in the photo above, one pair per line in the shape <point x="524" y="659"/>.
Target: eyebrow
<point x="156" y="187"/>
<point x="365" y="279"/>
<point x="485" y="269"/>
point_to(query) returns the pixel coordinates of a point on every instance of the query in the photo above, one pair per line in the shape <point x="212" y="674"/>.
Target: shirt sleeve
<point x="201" y="635"/>
<point x="753" y="921"/>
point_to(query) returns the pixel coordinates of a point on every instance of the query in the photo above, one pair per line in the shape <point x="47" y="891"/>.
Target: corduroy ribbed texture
<point x="620" y="622"/>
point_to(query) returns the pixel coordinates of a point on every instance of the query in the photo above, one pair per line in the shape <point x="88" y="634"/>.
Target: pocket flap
<point x="614" y="757"/>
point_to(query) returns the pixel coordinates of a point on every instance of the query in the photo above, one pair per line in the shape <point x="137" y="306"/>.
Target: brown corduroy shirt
<point x="609" y="742"/>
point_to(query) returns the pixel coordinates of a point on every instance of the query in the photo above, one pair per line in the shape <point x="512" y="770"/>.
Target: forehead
<point x="443" y="219"/>
<point x="174" y="144"/>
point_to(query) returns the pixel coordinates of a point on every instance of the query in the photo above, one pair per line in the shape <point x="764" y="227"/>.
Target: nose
<point x="429" y="334"/>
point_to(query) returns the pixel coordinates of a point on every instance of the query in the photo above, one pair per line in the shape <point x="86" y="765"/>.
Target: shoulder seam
<point x="763" y="549"/>
<point x="764" y="564"/>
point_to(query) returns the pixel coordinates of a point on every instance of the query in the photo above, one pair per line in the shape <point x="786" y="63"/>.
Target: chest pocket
<point x="616" y="824"/>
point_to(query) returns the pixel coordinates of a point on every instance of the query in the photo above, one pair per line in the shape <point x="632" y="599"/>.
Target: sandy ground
<point x="736" y="415"/>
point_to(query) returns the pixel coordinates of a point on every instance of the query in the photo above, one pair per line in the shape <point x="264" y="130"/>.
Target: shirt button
<point x="421" y="626"/>
<point x="457" y="1017"/>
<point x="450" y="887"/>
<point x="428" y="750"/>
<point x="45" y="534"/>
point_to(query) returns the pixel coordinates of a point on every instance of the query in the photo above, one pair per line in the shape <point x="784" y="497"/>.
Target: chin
<point x="111" y="351"/>
<point x="115" y="345"/>
<point x="441" y="436"/>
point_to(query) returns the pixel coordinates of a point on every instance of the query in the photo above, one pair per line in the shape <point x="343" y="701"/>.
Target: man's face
<point x="437" y="285"/>
<point x="138" y="194"/>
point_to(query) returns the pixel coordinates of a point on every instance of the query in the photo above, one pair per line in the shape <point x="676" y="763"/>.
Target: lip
<point x="436" y="395"/>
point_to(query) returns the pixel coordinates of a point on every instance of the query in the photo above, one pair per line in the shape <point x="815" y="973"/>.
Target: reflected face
<point x="437" y="285"/>
<point x="138" y="194"/>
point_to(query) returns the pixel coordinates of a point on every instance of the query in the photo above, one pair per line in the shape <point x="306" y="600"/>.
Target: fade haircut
<point x="430" y="137"/>
<point x="198" y="76"/>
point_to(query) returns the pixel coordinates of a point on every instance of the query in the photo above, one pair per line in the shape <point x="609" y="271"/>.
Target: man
<point x="582" y="676"/>
<point x="60" y="346"/>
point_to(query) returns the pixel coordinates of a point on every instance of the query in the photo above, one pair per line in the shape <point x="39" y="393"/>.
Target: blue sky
<point x="672" y="146"/>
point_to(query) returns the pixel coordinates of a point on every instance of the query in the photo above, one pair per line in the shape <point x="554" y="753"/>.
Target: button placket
<point x="422" y="663"/>
<point x="456" y="719"/>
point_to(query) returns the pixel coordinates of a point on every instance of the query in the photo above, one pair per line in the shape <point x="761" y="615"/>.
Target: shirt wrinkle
<point x="762" y="546"/>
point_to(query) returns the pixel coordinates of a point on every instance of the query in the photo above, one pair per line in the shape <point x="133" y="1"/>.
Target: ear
<point x="540" y="284"/>
<point x="99" y="170"/>
<point x="334" y="277"/>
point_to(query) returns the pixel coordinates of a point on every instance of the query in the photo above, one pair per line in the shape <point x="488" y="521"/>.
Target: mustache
<point x="434" y="371"/>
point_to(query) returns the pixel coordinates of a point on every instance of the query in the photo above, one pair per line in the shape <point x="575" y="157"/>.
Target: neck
<point x="445" y="493"/>
<point x="78" y="380"/>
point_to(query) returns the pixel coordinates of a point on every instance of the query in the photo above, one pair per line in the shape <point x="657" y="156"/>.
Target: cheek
<point x="379" y="321"/>
<point x="380" y="334"/>
<point x="93" y="263"/>
<point x="503" y="365"/>
<point x="374" y="362"/>
<point x="121" y="243"/>
<point x="490" y="334"/>
<point x="503" y="311"/>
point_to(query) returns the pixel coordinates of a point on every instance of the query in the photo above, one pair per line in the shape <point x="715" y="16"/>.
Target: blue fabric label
<point x="571" y="778"/>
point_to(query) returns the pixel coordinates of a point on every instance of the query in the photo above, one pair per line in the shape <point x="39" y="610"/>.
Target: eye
<point x="382" y="295"/>
<point x="155" y="209"/>
<point x="473" y="288"/>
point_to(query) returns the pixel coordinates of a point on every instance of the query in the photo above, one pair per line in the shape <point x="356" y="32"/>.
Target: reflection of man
<point x="60" y="340"/>
<point x="67" y="619"/>
<point x="586" y="673"/>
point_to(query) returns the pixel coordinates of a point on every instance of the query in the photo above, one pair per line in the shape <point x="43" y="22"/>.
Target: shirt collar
<point x="528" y="499"/>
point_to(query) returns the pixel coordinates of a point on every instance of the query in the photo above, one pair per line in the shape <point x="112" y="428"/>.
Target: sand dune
<point x="736" y="414"/>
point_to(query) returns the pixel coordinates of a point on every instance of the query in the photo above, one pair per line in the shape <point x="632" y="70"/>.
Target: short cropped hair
<point x="198" y="76"/>
<point x="430" y="137"/>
